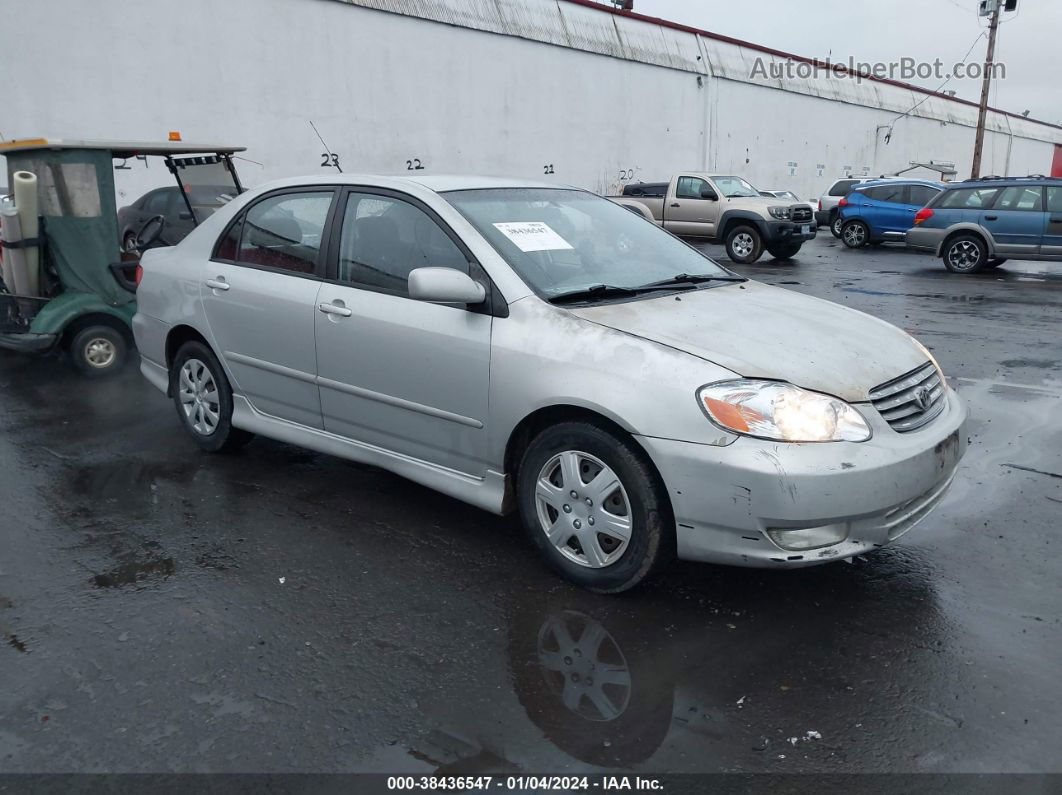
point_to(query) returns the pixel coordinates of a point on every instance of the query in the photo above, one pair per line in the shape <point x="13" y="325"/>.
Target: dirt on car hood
<point x="761" y="331"/>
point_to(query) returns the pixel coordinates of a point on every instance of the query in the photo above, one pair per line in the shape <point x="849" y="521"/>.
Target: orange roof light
<point x="175" y="135"/>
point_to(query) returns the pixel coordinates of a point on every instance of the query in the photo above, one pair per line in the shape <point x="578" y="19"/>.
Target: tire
<point x="965" y="254"/>
<point x="995" y="263"/>
<point x="99" y="351"/>
<point x="784" y="250"/>
<point x="855" y="234"/>
<point x="634" y="503"/>
<point x="207" y="419"/>
<point x="744" y="244"/>
<point x="835" y="225"/>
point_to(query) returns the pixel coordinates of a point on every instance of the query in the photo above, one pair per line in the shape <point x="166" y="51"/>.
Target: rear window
<point x="841" y="187"/>
<point x="968" y="198"/>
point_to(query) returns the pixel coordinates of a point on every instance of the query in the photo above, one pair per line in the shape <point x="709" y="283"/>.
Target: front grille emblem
<point x="923" y="398"/>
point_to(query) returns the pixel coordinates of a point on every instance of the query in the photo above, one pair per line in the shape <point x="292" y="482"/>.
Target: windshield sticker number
<point x="533" y="236"/>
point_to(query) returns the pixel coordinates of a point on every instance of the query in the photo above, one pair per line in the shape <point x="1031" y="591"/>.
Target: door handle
<point x="675" y="204"/>
<point x="1057" y="220"/>
<point x="991" y="217"/>
<point x="218" y="284"/>
<point x="335" y="309"/>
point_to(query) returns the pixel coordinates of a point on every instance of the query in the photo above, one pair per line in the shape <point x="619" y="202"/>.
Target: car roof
<point x="929" y="183"/>
<point x="995" y="182"/>
<point x="439" y="183"/>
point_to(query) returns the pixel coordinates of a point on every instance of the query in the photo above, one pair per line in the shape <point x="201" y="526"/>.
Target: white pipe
<point x="24" y="187"/>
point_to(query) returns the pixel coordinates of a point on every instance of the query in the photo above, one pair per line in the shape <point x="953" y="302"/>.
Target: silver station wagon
<point x="524" y="347"/>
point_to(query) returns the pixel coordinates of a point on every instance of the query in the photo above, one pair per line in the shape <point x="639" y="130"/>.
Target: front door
<point x="405" y="375"/>
<point x="1017" y="220"/>
<point x="686" y="213"/>
<point x="259" y="293"/>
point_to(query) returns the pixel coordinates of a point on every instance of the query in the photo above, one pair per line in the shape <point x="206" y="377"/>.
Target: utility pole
<point x="982" y="113"/>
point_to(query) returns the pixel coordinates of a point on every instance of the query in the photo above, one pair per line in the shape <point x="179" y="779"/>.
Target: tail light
<point x="138" y="274"/>
<point x="923" y="215"/>
<point x="842" y="203"/>
<point x="820" y="206"/>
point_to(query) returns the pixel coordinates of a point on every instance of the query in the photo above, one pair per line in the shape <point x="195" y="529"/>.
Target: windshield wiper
<point x="590" y="293"/>
<point x="691" y="279"/>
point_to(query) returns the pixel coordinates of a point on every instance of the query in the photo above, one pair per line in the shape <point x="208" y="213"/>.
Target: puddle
<point x="135" y="572"/>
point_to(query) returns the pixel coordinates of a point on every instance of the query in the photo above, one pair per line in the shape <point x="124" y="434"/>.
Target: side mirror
<point x="709" y="194"/>
<point x="445" y="286"/>
<point x="184" y="215"/>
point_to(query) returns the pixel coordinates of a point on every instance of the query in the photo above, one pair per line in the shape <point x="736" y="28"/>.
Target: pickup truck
<point x="726" y="209"/>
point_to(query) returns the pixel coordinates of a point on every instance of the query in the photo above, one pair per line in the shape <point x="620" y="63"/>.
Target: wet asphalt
<point x="166" y="610"/>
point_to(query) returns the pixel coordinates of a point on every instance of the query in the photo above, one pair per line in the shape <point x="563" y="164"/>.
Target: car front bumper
<point x="790" y="232"/>
<point x="924" y="239"/>
<point x="726" y="498"/>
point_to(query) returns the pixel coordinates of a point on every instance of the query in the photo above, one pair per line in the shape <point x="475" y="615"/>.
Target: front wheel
<point x="965" y="254"/>
<point x="99" y="351"/>
<point x="784" y="250"/>
<point x="744" y="244"/>
<point x="855" y="234"/>
<point x="203" y="399"/>
<point x="594" y="507"/>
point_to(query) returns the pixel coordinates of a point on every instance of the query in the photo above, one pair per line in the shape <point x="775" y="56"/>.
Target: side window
<point x="841" y="187"/>
<point x="1029" y="198"/>
<point x="229" y="245"/>
<point x="891" y="193"/>
<point x="158" y="202"/>
<point x="285" y="231"/>
<point x="968" y="198"/>
<point x="1054" y="200"/>
<point x="689" y="188"/>
<point x="383" y="239"/>
<point x="921" y="195"/>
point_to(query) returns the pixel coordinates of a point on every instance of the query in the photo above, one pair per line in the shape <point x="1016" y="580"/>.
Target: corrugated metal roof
<point x="591" y="27"/>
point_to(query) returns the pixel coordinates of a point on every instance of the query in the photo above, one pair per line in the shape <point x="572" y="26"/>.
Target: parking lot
<point x="278" y="610"/>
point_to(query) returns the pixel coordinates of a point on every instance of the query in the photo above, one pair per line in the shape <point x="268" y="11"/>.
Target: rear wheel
<point x="744" y="244"/>
<point x="594" y="507"/>
<point x="965" y="254"/>
<point x="99" y="351"/>
<point x="855" y="234"/>
<point x="835" y="224"/>
<point x="784" y="250"/>
<point x="203" y="399"/>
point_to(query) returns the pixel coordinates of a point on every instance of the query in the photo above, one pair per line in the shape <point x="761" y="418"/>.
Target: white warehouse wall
<point x="610" y="98"/>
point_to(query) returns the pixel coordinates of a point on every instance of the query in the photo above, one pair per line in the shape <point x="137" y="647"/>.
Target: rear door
<point x="259" y="293"/>
<point x="1052" y="242"/>
<point x="1017" y="220"/>
<point x="405" y="375"/>
<point x="686" y="213"/>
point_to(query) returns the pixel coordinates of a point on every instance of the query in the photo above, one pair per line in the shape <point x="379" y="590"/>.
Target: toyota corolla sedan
<point x="525" y="347"/>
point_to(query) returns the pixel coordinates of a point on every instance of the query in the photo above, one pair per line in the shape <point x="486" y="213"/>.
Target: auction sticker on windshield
<point x="533" y="236"/>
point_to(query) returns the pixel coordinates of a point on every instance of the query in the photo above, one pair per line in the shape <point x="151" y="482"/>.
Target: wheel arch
<point x="78" y="324"/>
<point x="968" y="229"/>
<point x="732" y="218"/>
<point x="177" y="337"/>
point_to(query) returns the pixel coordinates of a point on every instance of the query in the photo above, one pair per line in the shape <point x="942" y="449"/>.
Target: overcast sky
<point x="1028" y="42"/>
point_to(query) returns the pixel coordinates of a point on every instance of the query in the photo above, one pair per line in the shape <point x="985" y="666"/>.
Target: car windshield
<point x="563" y="241"/>
<point x="734" y="187"/>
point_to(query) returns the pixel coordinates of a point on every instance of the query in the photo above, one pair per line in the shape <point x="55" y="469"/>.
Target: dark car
<point x="170" y="204"/>
<point x="979" y="223"/>
<point x="877" y="212"/>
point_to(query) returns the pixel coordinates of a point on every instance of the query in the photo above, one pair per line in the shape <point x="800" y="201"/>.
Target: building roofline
<point x="667" y="23"/>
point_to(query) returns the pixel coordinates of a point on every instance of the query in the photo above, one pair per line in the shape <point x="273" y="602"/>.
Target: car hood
<point x="759" y="331"/>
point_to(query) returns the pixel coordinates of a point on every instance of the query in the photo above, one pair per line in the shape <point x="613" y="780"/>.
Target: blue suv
<point x="884" y="210"/>
<point x="979" y="223"/>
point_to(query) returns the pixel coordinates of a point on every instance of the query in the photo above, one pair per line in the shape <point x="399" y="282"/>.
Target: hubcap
<point x="100" y="352"/>
<point x="583" y="665"/>
<point x="583" y="509"/>
<point x="198" y="394"/>
<point x="854" y="235"/>
<point x="743" y="244"/>
<point x="963" y="255"/>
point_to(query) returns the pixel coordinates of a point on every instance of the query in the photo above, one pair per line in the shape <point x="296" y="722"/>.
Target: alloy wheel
<point x="583" y="509"/>
<point x="199" y="397"/>
<point x="964" y="255"/>
<point x="855" y="235"/>
<point x="743" y="244"/>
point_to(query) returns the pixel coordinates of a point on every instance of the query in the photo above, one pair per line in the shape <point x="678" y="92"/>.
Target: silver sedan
<point x="530" y="348"/>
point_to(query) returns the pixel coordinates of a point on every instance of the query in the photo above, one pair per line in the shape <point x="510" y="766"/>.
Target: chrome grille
<point x="912" y="400"/>
<point x="801" y="214"/>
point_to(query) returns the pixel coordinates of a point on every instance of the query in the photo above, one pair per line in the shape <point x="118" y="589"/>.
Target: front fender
<point x="730" y="216"/>
<point x="61" y="311"/>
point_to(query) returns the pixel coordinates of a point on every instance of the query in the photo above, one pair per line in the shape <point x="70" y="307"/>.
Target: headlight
<point x="782" y="213"/>
<point x="782" y="412"/>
